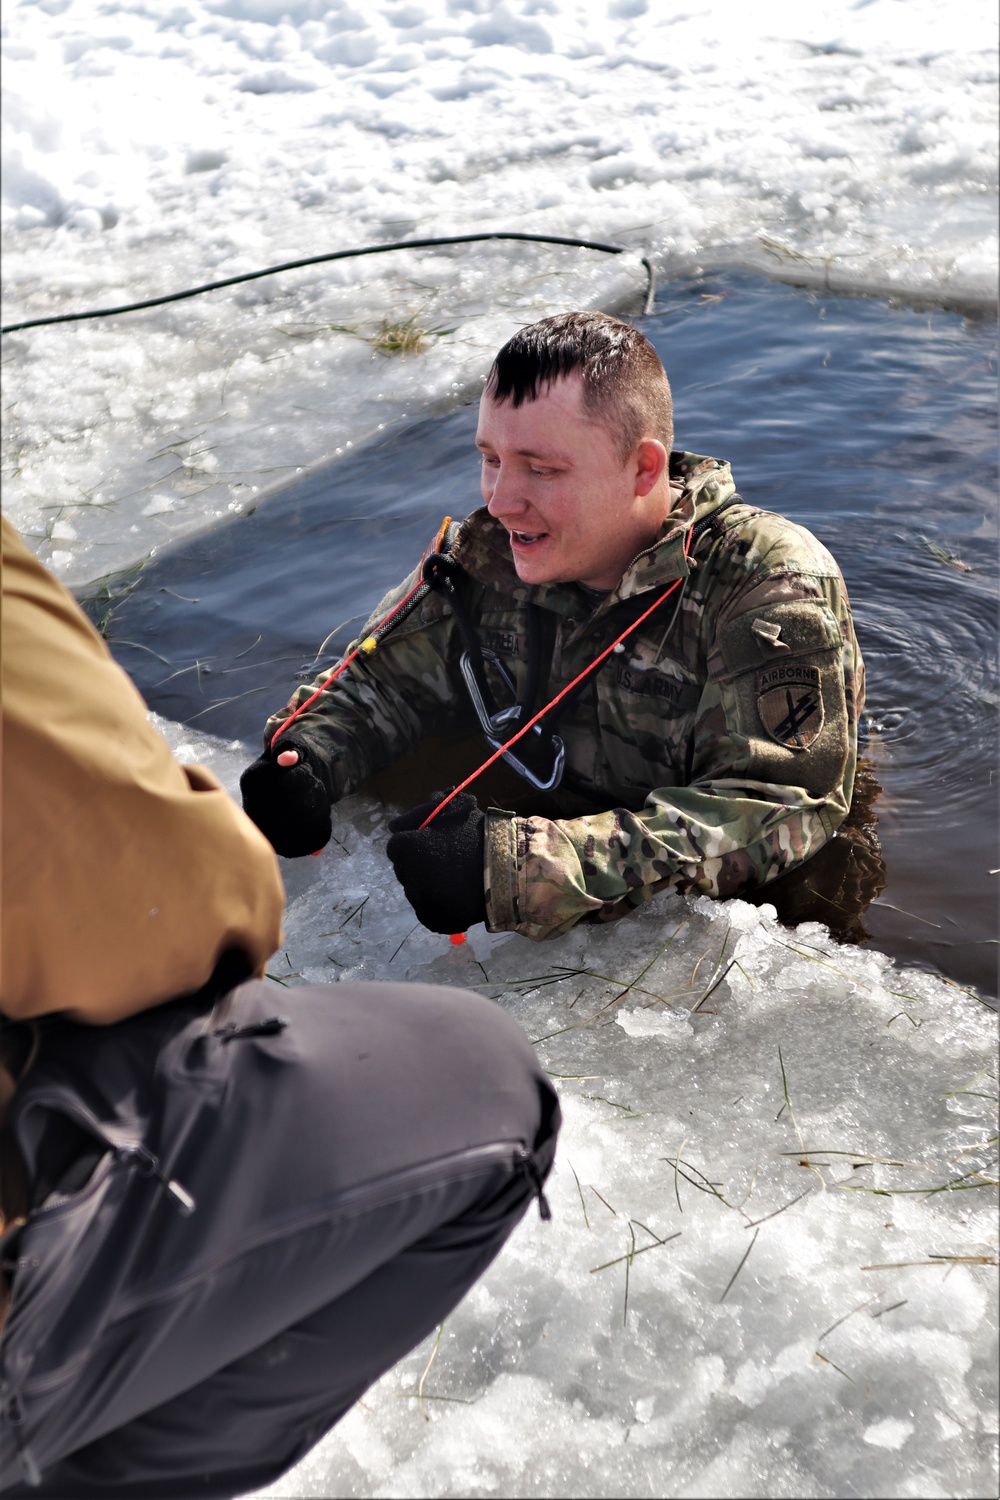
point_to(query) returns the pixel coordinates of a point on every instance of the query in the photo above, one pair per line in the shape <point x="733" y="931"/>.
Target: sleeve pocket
<point x="784" y="672"/>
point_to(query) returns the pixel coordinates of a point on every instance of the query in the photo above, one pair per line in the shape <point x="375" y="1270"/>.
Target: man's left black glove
<point x="289" y="804"/>
<point x="441" y="867"/>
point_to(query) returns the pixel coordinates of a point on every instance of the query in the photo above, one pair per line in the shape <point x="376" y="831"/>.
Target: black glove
<point x="441" y="867"/>
<point x="289" y="804"/>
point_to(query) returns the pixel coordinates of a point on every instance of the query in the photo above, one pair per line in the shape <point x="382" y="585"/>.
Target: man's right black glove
<point x="440" y="867"/>
<point x="289" y="804"/>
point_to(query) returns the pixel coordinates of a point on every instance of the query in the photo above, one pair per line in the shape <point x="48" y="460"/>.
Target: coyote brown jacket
<point x="125" y="875"/>
<point x="716" y="750"/>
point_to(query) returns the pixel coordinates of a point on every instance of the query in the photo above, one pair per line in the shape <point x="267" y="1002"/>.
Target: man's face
<point x="553" y="478"/>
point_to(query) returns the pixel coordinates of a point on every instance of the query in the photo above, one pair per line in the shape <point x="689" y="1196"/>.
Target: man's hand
<point x="441" y="867"/>
<point x="286" y="799"/>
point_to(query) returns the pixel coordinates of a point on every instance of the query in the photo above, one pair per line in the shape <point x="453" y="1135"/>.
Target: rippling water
<point x="873" y="425"/>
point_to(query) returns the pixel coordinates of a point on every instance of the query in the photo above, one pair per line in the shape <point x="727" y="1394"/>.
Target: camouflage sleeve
<point x="384" y="702"/>
<point x="772" y="769"/>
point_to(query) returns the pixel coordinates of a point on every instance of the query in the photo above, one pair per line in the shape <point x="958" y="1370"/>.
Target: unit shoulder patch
<point x="790" y="704"/>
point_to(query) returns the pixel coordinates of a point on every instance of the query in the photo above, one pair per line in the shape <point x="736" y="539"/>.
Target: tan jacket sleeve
<point x="125" y="876"/>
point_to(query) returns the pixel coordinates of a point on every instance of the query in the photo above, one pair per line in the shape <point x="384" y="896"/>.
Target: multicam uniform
<point x="712" y="753"/>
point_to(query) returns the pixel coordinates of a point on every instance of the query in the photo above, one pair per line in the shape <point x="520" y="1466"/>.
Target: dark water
<point x="875" y="426"/>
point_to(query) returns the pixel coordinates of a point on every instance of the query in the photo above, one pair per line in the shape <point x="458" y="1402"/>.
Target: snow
<point x="781" y="1114"/>
<point x="148" y="148"/>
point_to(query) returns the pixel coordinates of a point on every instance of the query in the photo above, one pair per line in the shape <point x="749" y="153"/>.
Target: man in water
<point x="711" y="750"/>
<point x="226" y="1206"/>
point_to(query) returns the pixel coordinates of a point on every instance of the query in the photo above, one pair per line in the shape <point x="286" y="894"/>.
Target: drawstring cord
<point x="365" y="647"/>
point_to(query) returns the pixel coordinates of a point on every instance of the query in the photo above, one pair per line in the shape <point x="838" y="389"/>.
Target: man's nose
<point x="505" y="498"/>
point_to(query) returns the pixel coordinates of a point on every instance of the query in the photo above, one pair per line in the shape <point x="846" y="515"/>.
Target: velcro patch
<point x="790" y="704"/>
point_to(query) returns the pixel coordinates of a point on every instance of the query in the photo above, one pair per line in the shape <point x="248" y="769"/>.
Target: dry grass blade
<point x="677" y="1183"/>
<point x="746" y="976"/>
<point x="577" y="1024"/>
<point x="967" y="1089"/>
<point x="412" y="930"/>
<point x="717" y="978"/>
<point x="954" y="1185"/>
<point x="791" y="1202"/>
<point x="627" y="1109"/>
<point x="631" y="1254"/>
<point x="862" y="1158"/>
<point x="714" y="986"/>
<point x="612" y="1211"/>
<point x="937" y="1260"/>
<point x="824" y="962"/>
<point x="426" y="1372"/>
<point x="830" y="1362"/>
<point x="579" y="1189"/>
<point x="860" y="1308"/>
<point x="891" y="1308"/>
<point x="628" y="1270"/>
<point x="704" y="1186"/>
<point x="968" y="1260"/>
<point x="627" y="986"/>
<point x="553" y="977"/>
<point x="743" y="1261"/>
<point x="903" y="913"/>
<point x="791" y="1113"/>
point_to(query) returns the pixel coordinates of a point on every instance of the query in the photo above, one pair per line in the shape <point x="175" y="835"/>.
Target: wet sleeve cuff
<point x="501" y="871"/>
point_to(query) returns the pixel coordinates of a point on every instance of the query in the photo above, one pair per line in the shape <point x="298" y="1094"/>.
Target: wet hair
<point x="625" y="386"/>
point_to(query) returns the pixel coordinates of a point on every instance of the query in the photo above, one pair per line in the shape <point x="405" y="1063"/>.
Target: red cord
<point x="521" y="732"/>
<point x="345" y="663"/>
<point x="558" y="697"/>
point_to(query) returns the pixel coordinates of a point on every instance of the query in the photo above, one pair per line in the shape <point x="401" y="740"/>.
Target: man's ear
<point x="651" y="460"/>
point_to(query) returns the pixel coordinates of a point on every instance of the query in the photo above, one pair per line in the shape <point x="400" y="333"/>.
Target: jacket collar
<point x="700" y="485"/>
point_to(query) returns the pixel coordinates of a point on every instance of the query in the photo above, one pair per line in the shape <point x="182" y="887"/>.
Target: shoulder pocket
<point x="778" y="632"/>
<point x="784" y="665"/>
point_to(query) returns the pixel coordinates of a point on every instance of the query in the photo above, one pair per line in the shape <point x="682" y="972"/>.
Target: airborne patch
<point x="790" y="704"/>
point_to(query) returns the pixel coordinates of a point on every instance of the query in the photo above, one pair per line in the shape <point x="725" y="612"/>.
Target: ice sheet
<point x="771" y="1267"/>
<point x="149" y="148"/>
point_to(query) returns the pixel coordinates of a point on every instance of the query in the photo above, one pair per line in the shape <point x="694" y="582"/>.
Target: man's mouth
<point x="525" y="538"/>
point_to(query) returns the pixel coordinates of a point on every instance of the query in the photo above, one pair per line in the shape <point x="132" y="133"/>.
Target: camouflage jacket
<point x="713" y="751"/>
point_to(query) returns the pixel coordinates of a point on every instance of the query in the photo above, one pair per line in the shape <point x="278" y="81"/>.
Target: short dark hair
<point x="625" y="386"/>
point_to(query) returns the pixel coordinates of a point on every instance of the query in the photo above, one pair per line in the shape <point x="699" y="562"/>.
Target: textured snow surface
<point x="150" y="147"/>
<point x="753" y="1283"/>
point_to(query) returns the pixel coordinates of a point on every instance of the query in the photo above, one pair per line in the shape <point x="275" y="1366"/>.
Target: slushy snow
<point x="149" y="148"/>
<point x="771" y="1264"/>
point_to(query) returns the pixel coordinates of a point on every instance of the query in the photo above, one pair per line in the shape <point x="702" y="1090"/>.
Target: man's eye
<point x="492" y="463"/>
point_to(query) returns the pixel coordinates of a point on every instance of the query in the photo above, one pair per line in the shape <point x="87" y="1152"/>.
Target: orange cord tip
<point x="456" y="939"/>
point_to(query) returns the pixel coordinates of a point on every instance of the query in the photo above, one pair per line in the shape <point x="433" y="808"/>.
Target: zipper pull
<point x="183" y="1201"/>
<point x="147" y="1166"/>
<point x="233" y="1033"/>
<point x="530" y="1169"/>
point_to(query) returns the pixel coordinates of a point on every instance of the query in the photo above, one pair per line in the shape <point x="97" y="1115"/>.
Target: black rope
<point x="317" y="260"/>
